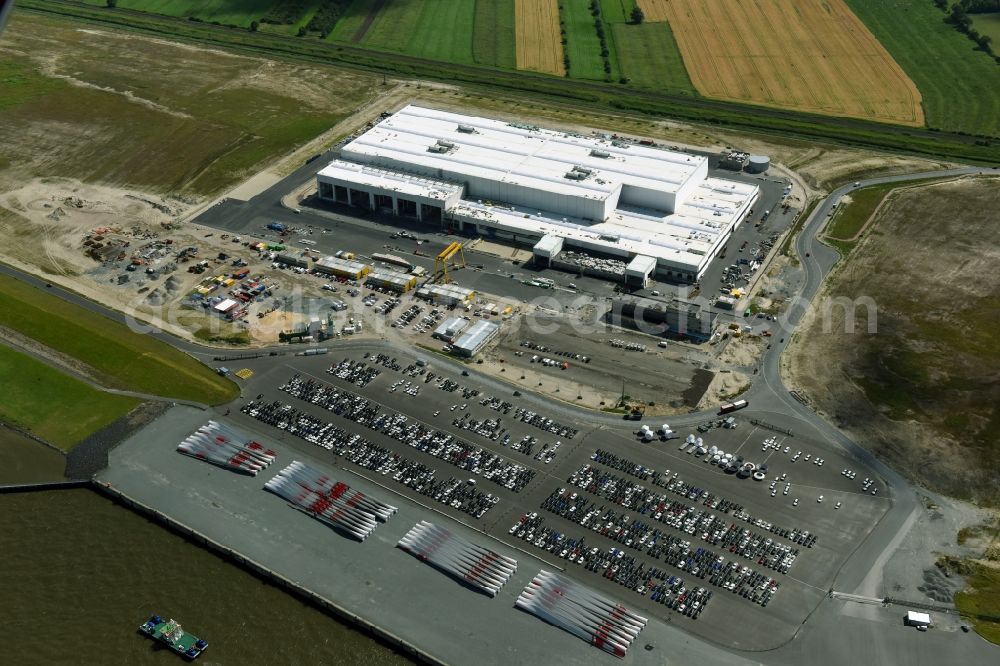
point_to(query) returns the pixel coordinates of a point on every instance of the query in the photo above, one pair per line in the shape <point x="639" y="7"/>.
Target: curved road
<point x="860" y="574"/>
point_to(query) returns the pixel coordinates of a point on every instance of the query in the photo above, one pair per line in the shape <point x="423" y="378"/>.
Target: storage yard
<point x="659" y="526"/>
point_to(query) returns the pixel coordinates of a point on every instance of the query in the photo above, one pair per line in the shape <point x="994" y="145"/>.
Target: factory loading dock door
<point x="360" y="199"/>
<point x="430" y="214"/>
<point x="406" y="207"/>
<point x="340" y="194"/>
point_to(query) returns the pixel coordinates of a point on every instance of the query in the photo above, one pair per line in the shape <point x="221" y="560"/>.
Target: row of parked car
<point x="439" y="444"/>
<point x="616" y="565"/>
<point x="674" y="484"/>
<point x="356" y="449"/>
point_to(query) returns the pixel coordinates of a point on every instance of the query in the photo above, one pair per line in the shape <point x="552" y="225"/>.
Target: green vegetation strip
<point x="124" y="359"/>
<point x="56" y="407"/>
<point x="960" y="85"/>
<point x="941" y="145"/>
<point x="493" y="38"/>
<point x="650" y="58"/>
<point x="849" y="219"/>
<point x="980" y="600"/>
<point x="583" y="46"/>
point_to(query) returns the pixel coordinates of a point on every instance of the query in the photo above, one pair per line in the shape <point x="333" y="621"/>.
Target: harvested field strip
<point x="649" y="57"/>
<point x="539" y="47"/>
<point x="58" y="408"/>
<point x="493" y="34"/>
<point x="802" y="56"/>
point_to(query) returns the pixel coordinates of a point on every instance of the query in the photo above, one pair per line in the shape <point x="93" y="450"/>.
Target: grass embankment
<point x="122" y="358"/>
<point x="23" y="460"/>
<point x="54" y="406"/>
<point x="981" y="599"/>
<point x="850" y="218"/>
<point x="587" y="94"/>
<point x="979" y="602"/>
<point x="960" y="85"/>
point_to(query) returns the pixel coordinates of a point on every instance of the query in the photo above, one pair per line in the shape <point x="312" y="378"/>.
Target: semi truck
<point x="733" y="406"/>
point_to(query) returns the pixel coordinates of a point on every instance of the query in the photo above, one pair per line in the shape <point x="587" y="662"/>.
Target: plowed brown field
<point x="539" y="47"/>
<point x="809" y="56"/>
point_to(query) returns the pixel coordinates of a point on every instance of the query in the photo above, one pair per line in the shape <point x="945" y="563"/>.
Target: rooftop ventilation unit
<point x="584" y="170"/>
<point x="603" y="154"/>
<point x="446" y="144"/>
<point x="575" y="175"/>
<point x="466" y="129"/>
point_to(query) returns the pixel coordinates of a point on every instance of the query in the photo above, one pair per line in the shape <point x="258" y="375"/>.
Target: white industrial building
<point x="475" y="337"/>
<point x="526" y="184"/>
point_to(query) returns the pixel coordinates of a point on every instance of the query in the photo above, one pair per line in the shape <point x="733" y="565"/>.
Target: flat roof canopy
<point x="522" y="154"/>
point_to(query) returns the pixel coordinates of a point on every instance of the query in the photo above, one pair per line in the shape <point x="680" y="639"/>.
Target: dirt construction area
<point x="922" y="390"/>
<point x="816" y="57"/>
<point x="537" y="30"/>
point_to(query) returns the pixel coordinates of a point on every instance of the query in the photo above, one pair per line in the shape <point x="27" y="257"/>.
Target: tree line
<point x="958" y="15"/>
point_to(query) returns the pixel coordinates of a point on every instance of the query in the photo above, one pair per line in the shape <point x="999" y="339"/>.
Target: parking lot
<point x="668" y="531"/>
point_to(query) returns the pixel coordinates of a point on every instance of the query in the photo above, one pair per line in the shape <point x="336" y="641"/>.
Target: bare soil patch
<point x="922" y="391"/>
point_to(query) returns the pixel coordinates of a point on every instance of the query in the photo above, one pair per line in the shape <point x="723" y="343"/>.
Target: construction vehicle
<point x="636" y="413"/>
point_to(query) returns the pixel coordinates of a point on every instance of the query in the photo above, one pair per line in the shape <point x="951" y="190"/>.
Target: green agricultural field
<point x="617" y="11"/>
<point x="435" y="29"/>
<point x="122" y="358"/>
<point x="493" y="39"/>
<point x="582" y="44"/>
<point x="227" y="12"/>
<point x="988" y="24"/>
<point x="650" y="58"/>
<point x="157" y="117"/>
<point x="58" y="408"/>
<point x="959" y="84"/>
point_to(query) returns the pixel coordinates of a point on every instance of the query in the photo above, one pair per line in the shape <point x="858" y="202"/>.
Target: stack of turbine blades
<point x="322" y="484"/>
<point x="473" y="564"/>
<point x="227" y="448"/>
<point x="335" y="512"/>
<point x="582" y="612"/>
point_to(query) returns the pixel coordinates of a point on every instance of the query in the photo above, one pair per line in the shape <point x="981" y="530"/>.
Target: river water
<point x="80" y="573"/>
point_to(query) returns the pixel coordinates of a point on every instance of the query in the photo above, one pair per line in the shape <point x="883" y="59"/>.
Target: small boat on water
<point x="170" y="633"/>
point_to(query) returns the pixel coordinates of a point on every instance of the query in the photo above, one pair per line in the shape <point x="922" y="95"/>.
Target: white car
<point x="837" y="506"/>
<point x="819" y="499"/>
<point x="795" y="502"/>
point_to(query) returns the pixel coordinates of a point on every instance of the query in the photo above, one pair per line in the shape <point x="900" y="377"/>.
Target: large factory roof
<point x="682" y="238"/>
<point x="402" y="183"/>
<point x="521" y="154"/>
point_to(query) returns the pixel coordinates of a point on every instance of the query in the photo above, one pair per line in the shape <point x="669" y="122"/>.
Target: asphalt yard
<point x="659" y="520"/>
